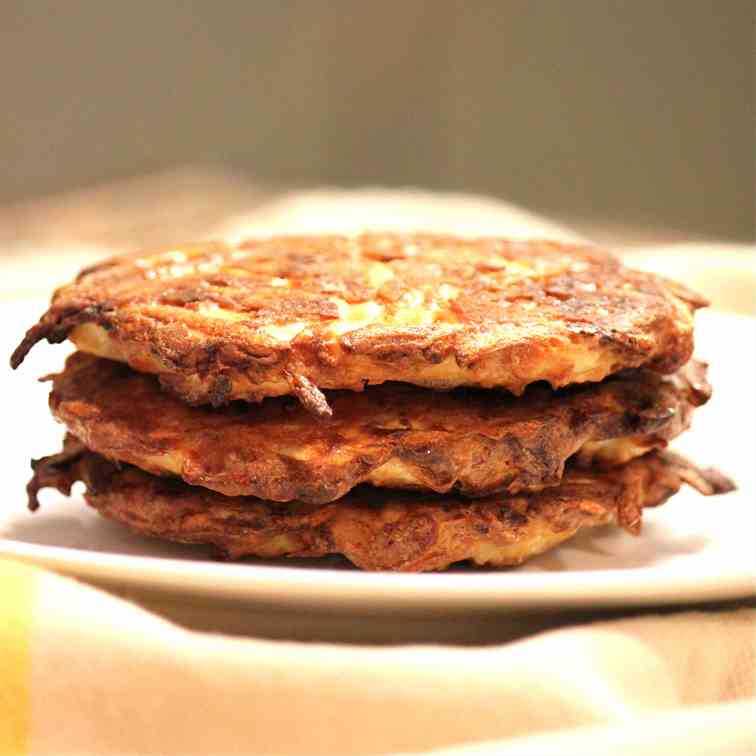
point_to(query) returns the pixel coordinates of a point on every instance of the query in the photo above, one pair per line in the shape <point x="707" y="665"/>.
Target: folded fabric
<point x="83" y="672"/>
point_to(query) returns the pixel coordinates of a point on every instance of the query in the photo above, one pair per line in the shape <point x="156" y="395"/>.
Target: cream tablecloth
<point x="84" y="672"/>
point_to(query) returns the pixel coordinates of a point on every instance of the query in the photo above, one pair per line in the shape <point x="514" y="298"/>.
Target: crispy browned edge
<point x="631" y="316"/>
<point x="375" y="529"/>
<point x="473" y="441"/>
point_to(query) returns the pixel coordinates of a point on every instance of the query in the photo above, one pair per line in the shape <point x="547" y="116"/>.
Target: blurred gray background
<point x="638" y="112"/>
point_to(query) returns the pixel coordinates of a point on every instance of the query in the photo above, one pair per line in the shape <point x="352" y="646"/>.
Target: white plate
<point x="691" y="549"/>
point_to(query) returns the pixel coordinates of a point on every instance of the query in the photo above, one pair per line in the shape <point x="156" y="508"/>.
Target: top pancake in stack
<point x="306" y="316"/>
<point x="298" y="315"/>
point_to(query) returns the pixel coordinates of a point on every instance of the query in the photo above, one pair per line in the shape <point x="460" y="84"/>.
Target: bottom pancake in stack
<point x="400" y="478"/>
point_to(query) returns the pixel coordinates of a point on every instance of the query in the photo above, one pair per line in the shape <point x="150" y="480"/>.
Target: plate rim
<point x="354" y="589"/>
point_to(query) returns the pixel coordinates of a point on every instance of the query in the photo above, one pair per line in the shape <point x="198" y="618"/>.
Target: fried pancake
<point x="394" y="435"/>
<point x="375" y="529"/>
<point x="295" y="315"/>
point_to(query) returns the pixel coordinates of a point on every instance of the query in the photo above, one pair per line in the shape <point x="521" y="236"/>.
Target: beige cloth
<point x="83" y="672"/>
<point x="103" y="676"/>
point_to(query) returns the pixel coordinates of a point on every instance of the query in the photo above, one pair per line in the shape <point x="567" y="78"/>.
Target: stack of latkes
<point x="408" y="401"/>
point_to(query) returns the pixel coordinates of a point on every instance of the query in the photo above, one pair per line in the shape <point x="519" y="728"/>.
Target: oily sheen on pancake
<point x="376" y="529"/>
<point x="394" y="435"/>
<point x="295" y="315"/>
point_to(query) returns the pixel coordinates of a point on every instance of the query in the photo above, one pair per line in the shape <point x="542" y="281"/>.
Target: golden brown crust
<point x="394" y="435"/>
<point x="377" y="529"/>
<point x="294" y="315"/>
